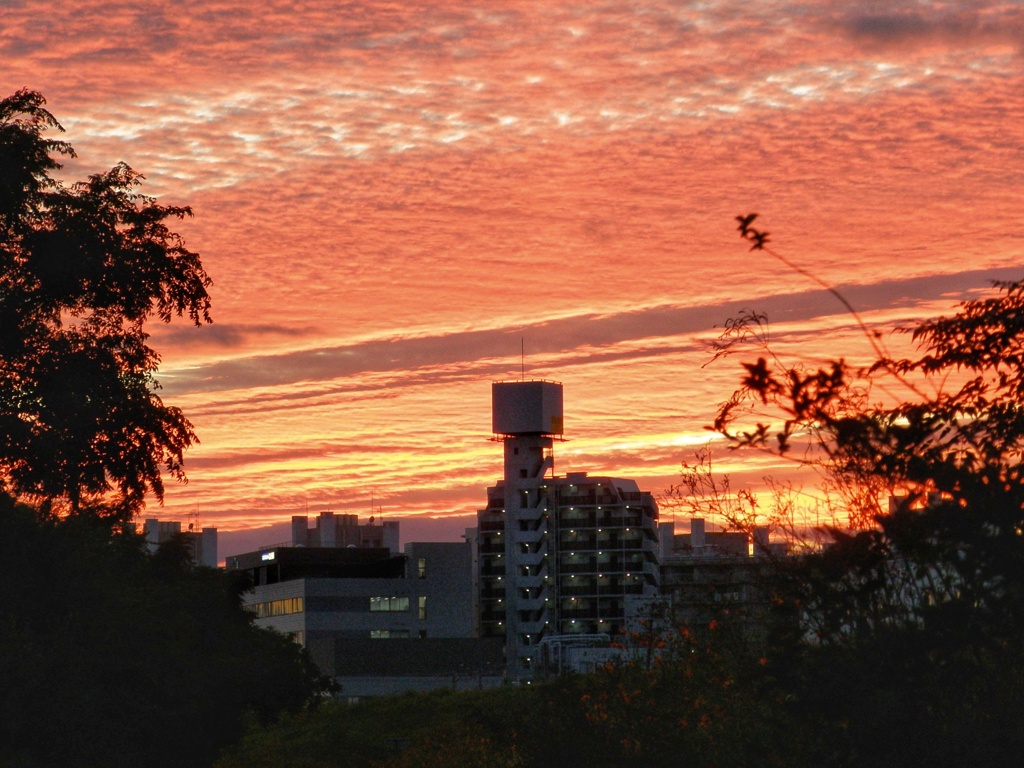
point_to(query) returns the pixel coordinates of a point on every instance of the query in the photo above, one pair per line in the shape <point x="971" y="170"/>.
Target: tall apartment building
<point x="709" y="575"/>
<point x="560" y="560"/>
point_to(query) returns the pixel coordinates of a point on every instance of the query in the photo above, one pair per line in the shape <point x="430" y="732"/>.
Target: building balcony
<point x="578" y="499"/>
<point x="578" y="539"/>
<point x="591" y="615"/>
<point x="534" y="626"/>
<point x="589" y="567"/>
<point x="617" y="518"/>
<point x="531" y="604"/>
<point x="577" y="517"/>
<point x="577" y="627"/>
<point x="533" y="580"/>
<point x="616" y="544"/>
<point x="531" y="536"/>
<point x="585" y="588"/>
<point x="531" y="559"/>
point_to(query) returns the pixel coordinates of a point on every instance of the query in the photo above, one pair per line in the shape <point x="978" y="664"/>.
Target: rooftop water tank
<point x="526" y="407"/>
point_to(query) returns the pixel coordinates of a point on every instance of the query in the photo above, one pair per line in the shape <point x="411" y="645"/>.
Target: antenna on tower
<point x="522" y="359"/>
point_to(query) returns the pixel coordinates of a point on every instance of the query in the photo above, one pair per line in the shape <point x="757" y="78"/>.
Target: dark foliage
<point x="110" y="656"/>
<point x="82" y="268"/>
<point x="911" y="641"/>
<point x="697" y="701"/>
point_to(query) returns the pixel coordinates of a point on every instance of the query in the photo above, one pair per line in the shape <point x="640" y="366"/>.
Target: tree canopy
<point x="909" y="647"/>
<point x="928" y="446"/>
<point x="82" y="269"/>
<point x="108" y="655"/>
<point x="111" y="656"/>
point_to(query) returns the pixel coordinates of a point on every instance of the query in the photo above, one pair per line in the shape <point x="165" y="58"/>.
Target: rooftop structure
<point x="333" y="530"/>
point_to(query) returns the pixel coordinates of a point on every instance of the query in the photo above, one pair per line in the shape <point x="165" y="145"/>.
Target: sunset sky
<point x="395" y="199"/>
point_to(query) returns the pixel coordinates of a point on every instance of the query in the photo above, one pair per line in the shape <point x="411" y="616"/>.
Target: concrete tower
<point x="526" y="417"/>
<point x="561" y="560"/>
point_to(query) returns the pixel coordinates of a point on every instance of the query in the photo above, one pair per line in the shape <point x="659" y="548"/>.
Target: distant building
<point x="331" y="530"/>
<point x="561" y="561"/>
<point x="700" y="542"/>
<point x="712" y="575"/>
<point x="202" y="544"/>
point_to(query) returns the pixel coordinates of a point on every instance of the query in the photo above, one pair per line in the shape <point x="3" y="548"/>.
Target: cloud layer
<point x="396" y="200"/>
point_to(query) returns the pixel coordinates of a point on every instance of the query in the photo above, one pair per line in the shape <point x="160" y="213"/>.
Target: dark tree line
<point x="110" y="656"/>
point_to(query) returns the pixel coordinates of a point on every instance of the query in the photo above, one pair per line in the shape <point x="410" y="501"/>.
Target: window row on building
<point x="284" y="607"/>
<point x="389" y="604"/>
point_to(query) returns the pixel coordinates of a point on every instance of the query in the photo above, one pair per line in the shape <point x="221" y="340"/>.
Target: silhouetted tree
<point x="108" y="656"/>
<point x="936" y="439"/>
<point x="910" y="649"/>
<point x="82" y="268"/>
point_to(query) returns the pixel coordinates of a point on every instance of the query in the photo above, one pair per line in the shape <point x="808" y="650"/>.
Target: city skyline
<point x="401" y="204"/>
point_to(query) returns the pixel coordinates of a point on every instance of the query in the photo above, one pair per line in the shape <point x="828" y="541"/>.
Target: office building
<point x="377" y="622"/>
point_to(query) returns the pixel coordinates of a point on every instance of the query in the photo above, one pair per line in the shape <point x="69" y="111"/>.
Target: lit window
<point x="285" y="607"/>
<point x="389" y="604"/>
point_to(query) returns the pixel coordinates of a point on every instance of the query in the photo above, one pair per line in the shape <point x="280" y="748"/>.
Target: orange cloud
<point x="392" y="198"/>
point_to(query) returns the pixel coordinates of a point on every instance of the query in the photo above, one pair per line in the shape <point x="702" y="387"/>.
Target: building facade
<point x="377" y="622"/>
<point x="711" y="576"/>
<point x="560" y="560"/>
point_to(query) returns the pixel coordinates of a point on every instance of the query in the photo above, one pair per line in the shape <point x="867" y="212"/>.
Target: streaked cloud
<point x="586" y="338"/>
<point x="917" y="25"/>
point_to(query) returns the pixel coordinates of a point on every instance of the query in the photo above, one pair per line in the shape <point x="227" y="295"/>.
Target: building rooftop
<point x="285" y="563"/>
